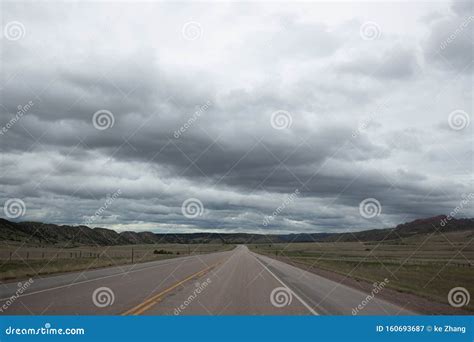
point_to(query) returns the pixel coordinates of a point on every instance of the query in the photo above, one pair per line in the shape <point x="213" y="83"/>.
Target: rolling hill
<point x="51" y="234"/>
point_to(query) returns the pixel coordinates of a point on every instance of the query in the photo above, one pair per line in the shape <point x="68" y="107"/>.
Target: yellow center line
<point x="148" y="303"/>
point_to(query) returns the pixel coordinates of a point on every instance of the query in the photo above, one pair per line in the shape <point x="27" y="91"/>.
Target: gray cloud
<point x="395" y="63"/>
<point x="451" y="39"/>
<point x="368" y="118"/>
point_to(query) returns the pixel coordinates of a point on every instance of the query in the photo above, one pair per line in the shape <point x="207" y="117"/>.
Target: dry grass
<point x="30" y="261"/>
<point x="427" y="266"/>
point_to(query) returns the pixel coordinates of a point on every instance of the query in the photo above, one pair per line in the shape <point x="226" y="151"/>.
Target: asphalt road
<point x="236" y="282"/>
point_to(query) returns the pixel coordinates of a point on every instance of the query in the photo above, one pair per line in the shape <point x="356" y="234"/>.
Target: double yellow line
<point x="148" y="303"/>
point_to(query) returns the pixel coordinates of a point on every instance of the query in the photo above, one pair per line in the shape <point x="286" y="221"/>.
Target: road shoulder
<point x="407" y="300"/>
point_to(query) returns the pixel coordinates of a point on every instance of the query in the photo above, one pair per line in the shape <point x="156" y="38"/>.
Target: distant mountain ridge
<point x="51" y="234"/>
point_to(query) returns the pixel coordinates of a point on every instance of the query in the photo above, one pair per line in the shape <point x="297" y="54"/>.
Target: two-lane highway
<point x="237" y="282"/>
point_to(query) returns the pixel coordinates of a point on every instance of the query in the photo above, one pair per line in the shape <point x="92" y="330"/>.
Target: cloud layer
<point x="238" y="106"/>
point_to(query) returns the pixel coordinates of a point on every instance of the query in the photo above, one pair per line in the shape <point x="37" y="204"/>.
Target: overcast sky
<point x="301" y="112"/>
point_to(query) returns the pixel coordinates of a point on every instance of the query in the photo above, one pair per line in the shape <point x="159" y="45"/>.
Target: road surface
<point x="237" y="282"/>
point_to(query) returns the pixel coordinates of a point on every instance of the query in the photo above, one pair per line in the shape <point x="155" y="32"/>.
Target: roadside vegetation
<point x="425" y="265"/>
<point x="20" y="261"/>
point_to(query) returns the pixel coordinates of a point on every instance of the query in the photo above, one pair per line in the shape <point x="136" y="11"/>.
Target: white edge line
<point x="306" y="305"/>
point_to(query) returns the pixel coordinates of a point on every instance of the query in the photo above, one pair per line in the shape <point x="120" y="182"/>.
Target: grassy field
<point x="428" y="266"/>
<point x="18" y="261"/>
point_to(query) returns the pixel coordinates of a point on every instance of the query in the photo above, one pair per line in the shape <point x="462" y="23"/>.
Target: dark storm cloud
<point x="193" y="119"/>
